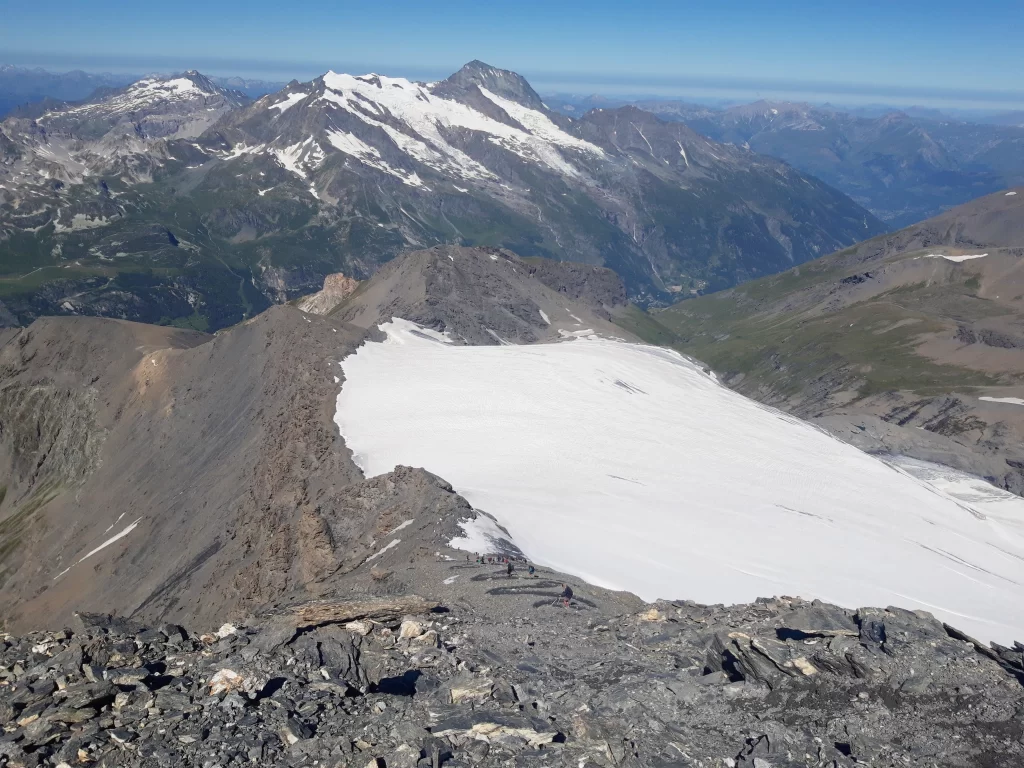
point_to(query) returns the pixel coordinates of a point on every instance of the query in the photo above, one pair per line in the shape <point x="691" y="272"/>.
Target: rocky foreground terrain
<point x="504" y="675"/>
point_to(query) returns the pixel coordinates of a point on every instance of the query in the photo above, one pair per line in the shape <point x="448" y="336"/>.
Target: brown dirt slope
<point x="165" y="474"/>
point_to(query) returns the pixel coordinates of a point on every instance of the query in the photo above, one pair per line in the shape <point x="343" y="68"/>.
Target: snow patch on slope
<point x="956" y="259"/>
<point x="628" y="466"/>
<point x="481" y="535"/>
<point x="288" y="102"/>
<point x="419" y="122"/>
<point x="140" y="96"/>
<point x="981" y="495"/>
<point x="355" y="147"/>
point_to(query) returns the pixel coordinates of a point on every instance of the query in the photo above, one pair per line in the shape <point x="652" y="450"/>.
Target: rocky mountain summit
<point x="58" y="162"/>
<point x="503" y="674"/>
<point x="489" y="296"/>
<point x="337" y="288"/>
<point x="178" y="200"/>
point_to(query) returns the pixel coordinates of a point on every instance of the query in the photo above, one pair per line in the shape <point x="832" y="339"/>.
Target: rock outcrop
<point x="488" y="296"/>
<point x="337" y="288"/>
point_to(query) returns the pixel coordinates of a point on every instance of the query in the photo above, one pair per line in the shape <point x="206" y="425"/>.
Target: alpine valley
<point x="179" y="201"/>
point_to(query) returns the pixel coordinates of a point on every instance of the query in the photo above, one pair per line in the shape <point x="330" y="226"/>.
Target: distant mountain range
<point x="903" y="166"/>
<point x="180" y="200"/>
<point x="22" y="86"/>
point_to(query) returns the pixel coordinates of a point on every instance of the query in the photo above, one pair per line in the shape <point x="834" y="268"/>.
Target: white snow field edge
<point x="628" y="466"/>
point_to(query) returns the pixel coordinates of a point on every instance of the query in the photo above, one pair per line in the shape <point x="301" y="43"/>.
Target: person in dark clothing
<point x="509" y="569"/>
<point x="566" y="595"/>
<point x="533" y="571"/>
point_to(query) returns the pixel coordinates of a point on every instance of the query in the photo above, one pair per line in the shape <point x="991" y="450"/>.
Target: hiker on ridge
<point x="566" y="594"/>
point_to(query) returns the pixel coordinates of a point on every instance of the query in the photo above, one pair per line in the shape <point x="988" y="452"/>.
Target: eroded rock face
<point x="337" y="288"/>
<point x="776" y="683"/>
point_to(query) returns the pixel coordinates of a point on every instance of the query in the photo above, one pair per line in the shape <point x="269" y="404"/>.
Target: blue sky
<point x="903" y="50"/>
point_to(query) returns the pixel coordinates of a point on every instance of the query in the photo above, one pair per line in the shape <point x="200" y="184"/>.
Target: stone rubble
<point x="775" y="683"/>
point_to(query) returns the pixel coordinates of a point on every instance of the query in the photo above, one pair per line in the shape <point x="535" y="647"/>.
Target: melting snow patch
<point x="111" y="540"/>
<point x="786" y="508"/>
<point x="391" y="544"/>
<point x="406" y="524"/>
<point x="451" y="579"/>
<point x="957" y="259"/>
<point x="353" y="146"/>
<point x="289" y="101"/>
<point x="544" y="316"/>
<point x="111" y="526"/>
<point x="498" y="338"/>
<point x="481" y="535"/>
<point x="1010" y="194"/>
<point x="400" y="331"/>
<point x="290" y="157"/>
<point x="1011" y="400"/>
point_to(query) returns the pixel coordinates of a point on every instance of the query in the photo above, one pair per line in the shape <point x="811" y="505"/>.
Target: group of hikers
<point x="566" y="594"/>
<point x="507" y="561"/>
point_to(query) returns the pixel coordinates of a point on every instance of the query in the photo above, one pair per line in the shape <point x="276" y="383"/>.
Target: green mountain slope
<point x="904" y="332"/>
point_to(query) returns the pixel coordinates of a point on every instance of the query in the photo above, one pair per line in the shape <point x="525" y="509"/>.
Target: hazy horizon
<point x="911" y="53"/>
<point x="709" y="90"/>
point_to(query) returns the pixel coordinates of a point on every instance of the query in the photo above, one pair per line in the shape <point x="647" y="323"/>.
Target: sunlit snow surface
<point x="630" y="467"/>
<point x="426" y="119"/>
<point x="1010" y="400"/>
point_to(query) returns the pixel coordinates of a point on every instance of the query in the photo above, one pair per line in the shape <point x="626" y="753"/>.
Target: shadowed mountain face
<point x="908" y="343"/>
<point x="177" y="201"/>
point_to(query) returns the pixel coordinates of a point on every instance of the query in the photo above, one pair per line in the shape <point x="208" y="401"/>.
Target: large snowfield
<point x="628" y="466"/>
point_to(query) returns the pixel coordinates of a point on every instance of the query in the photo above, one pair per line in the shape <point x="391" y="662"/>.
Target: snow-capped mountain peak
<point x="412" y="131"/>
<point x="185" y="93"/>
<point x="387" y="163"/>
<point x="502" y="82"/>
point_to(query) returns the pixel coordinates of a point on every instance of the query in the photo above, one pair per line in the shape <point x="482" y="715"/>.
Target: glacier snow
<point x="630" y="467"/>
